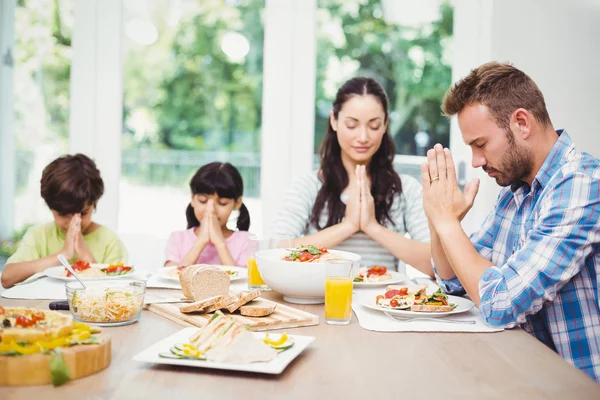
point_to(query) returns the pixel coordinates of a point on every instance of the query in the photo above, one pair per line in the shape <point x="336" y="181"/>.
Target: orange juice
<point x="338" y="298"/>
<point x="254" y="278"/>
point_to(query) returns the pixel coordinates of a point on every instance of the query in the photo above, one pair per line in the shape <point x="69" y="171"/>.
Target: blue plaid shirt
<point x="544" y="242"/>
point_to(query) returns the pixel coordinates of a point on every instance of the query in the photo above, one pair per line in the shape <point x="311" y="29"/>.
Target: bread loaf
<point x="199" y="282"/>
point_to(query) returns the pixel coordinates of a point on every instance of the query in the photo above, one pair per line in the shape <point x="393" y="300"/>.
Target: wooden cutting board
<point x="34" y="369"/>
<point x="283" y="317"/>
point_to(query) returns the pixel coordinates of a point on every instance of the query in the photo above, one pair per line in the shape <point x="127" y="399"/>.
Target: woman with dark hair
<point x="217" y="190"/>
<point x="356" y="201"/>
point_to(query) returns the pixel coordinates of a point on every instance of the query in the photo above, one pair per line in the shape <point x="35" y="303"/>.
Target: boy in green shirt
<point x="71" y="187"/>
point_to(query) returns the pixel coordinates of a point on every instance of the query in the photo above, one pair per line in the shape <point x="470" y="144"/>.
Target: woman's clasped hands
<point x="360" y="207"/>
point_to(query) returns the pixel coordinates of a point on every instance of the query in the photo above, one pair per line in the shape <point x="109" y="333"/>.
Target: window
<point x="406" y="47"/>
<point x="42" y="63"/>
<point x="192" y="95"/>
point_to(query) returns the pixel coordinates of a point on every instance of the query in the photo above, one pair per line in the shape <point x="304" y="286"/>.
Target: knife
<point x="168" y="300"/>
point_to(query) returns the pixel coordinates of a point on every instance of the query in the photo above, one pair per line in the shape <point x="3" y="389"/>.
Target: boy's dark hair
<point x="223" y="179"/>
<point x="71" y="182"/>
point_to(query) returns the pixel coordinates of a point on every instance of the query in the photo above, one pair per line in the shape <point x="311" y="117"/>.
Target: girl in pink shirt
<point x="217" y="190"/>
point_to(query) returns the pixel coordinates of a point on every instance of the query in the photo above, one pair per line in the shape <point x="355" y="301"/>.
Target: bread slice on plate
<point x="241" y="299"/>
<point x="199" y="305"/>
<point x="224" y="302"/>
<point x="258" y="308"/>
<point x="424" y="308"/>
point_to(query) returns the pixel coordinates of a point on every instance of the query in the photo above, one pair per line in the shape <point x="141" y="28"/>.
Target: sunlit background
<point x="252" y="81"/>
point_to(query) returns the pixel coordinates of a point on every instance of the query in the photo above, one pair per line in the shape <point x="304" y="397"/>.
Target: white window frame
<point x="289" y="73"/>
<point x="7" y="135"/>
<point x="97" y="95"/>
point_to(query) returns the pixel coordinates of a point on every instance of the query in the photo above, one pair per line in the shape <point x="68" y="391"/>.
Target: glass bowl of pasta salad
<point x="106" y="303"/>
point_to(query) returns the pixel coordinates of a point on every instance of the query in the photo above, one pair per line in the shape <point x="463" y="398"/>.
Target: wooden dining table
<point x="344" y="362"/>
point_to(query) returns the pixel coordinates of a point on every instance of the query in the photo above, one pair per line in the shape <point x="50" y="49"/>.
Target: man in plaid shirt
<point x="535" y="261"/>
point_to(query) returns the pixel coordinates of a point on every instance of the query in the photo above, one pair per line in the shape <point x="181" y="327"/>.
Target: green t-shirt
<point x="43" y="240"/>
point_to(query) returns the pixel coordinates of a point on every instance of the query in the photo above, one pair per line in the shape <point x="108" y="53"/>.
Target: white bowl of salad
<point x="299" y="274"/>
<point x="106" y="303"/>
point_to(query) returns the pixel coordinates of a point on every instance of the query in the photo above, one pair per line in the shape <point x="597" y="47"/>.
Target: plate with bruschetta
<point x="377" y="276"/>
<point x="415" y="301"/>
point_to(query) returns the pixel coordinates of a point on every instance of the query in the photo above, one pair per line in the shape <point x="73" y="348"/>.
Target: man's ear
<point x="333" y="121"/>
<point x="520" y="123"/>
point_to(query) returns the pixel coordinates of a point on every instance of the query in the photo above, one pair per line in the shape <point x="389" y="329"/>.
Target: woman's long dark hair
<point x="224" y="180"/>
<point x="385" y="182"/>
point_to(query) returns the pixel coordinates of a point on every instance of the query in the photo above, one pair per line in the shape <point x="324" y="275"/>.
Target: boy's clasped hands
<point x="75" y="245"/>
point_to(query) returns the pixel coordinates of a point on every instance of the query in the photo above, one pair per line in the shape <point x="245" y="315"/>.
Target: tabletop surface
<point x="343" y="362"/>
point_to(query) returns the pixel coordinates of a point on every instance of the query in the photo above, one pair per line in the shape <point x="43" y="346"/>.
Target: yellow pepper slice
<point x="4" y="347"/>
<point x="80" y="326"/>
<point x="60" y="342"/>
<point x="81" y="335"/>
<point x="279" y="342"/>
<point x="34" y="348"/>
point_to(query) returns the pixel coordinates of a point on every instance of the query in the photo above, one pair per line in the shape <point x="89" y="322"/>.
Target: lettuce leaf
<point x="58" y="369"/>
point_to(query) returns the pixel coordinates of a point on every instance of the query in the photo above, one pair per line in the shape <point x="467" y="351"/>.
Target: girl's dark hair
<point x="385" y="182"/>
<point x="224" y="180"/>
<point x="70" y="182"/>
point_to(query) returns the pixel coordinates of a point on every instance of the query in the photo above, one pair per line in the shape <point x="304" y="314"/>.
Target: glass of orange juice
<point x="255" y="281"/>
<point x="338" y="293"/>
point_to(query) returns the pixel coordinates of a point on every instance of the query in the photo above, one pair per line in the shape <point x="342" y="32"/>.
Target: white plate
<point x="275" y="366"/>
<point x="59" y="273"/>
<point x="168" y="273"/>
<point x="463" y="305"/>
<point x="396" y="278"/>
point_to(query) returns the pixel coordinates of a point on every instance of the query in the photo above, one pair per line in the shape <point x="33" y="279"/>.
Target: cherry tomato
<point x="37" y="316"/>
<point x="394" y="303"/>
<point x="377" y="270"/>
<point x="24" y="321"/>
<point x="323" y="250"/>
<point x="81" y="265"/>
<point x="305" y="256"/>
<point x="403" y="291"/>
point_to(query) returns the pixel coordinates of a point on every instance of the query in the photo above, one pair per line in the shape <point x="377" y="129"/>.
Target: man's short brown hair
<point x="70" y="183"/>
<point x="502" y="88"/>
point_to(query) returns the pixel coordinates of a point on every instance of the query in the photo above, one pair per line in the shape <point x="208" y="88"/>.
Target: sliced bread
<point x="241" y="299"/>
<point x="258" y="308"/>
<point x="199" y="305"/>
<point x="224" y="302"/>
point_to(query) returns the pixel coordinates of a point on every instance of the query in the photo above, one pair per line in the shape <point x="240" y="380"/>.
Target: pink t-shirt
<point x="180" y="243"/>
